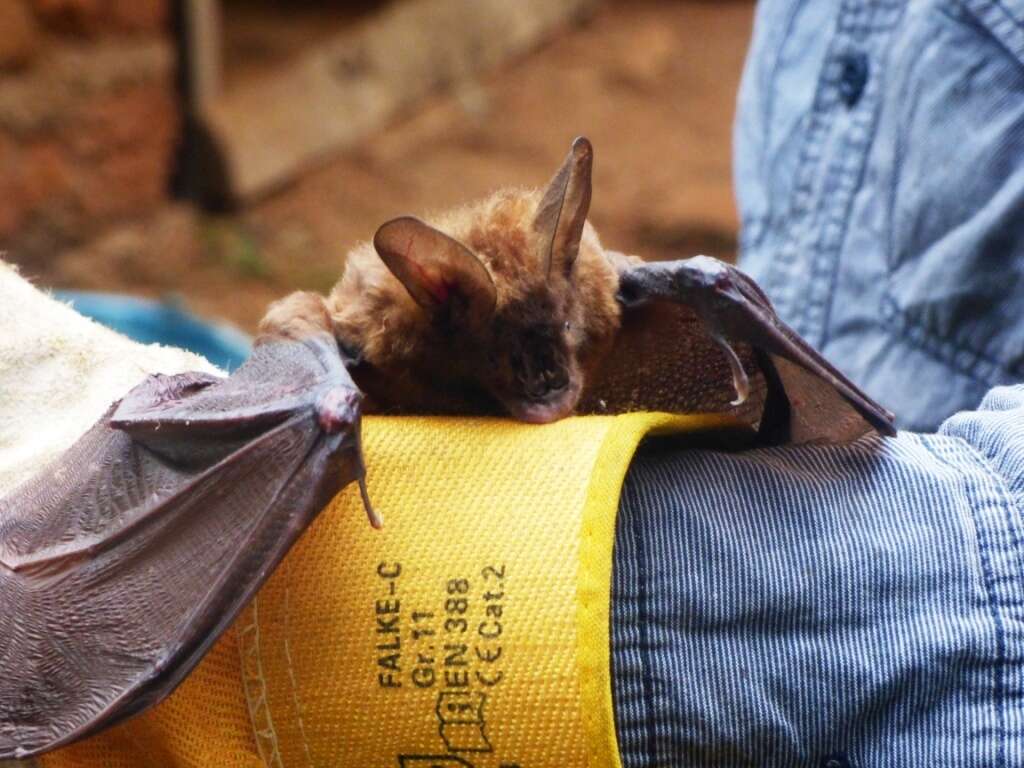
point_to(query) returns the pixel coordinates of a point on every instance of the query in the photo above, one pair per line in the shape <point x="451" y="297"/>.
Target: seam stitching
<point x="992" y="598"/>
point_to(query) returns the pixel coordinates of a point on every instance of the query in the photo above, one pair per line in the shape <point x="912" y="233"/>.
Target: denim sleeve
<point x="879" y="170"/>
<point x="855" y="605"/>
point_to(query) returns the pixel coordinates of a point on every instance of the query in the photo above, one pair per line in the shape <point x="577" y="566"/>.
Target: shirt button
<point x="853" y="78"/>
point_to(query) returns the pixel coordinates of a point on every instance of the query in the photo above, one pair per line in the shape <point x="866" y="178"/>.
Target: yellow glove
<point x="473" y="631"/>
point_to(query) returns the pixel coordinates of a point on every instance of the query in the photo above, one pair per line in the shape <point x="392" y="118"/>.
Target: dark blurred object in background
<point x="233" y="151"/>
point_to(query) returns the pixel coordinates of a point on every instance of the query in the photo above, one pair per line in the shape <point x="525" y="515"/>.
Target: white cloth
<point x="58" y="373"/>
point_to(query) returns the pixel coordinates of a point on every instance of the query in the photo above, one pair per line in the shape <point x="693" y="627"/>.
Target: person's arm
<point x="862" y="603"/>
<point x="879" y="169"/>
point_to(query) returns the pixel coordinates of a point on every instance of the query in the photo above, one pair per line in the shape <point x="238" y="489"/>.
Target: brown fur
<point x="410" y="361"/>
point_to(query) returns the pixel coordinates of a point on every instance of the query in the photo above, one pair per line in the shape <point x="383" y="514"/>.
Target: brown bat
<point x="513" y="306"/>
<point x="122" y="562"/>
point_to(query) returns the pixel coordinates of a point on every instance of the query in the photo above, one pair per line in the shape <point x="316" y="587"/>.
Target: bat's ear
<point x="439" y="272"/>
<point x="563" y="209"/>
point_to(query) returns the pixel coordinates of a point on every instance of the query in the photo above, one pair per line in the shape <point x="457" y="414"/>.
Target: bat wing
<point x="123" y="562"/>
<point x="728" y="326"/>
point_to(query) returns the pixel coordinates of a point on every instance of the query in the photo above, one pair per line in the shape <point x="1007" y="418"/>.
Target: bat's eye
<point x="568" y="327"/>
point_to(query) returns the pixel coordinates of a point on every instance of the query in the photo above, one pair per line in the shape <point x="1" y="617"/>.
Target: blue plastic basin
<point x="163" y="322"/>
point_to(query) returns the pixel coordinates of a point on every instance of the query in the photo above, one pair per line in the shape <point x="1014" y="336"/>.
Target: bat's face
<point x="507" y="327"/>
<point x="533" y="369"/>
<point x="499" y="282"/>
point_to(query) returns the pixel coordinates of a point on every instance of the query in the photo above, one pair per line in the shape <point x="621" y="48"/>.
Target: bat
<point x="122" y="563"/>
<point x="513" y="306"/>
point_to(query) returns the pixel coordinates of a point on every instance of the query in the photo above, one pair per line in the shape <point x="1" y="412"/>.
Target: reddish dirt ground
<point x="651" y="83"/>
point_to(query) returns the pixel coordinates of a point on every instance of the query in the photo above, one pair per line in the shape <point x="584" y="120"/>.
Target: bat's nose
<point x="548" y="384"/>
<point x="337" y="409"/>
<point x="556" y="380"/>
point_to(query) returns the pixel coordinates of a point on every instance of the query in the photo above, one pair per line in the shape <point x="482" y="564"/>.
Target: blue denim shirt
<point x="861" y="605"/>
<point x="879" y="167"/>
<point x="826" y="607"/>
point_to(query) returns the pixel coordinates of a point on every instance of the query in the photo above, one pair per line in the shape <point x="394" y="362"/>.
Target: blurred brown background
<point x="232" y="151"/>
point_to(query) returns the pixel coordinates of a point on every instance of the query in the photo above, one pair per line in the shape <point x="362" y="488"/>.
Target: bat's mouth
<point x="544" y="411"/>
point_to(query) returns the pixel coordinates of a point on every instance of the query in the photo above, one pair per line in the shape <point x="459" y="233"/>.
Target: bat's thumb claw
<point x="742" y="390"/>
<point x="740" y="382"/>
<point x="372" y="514"/>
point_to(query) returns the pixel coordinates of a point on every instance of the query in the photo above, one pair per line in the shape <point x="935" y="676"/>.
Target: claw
<point x="740" y="382"/>
<point x="374" y="516"/>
